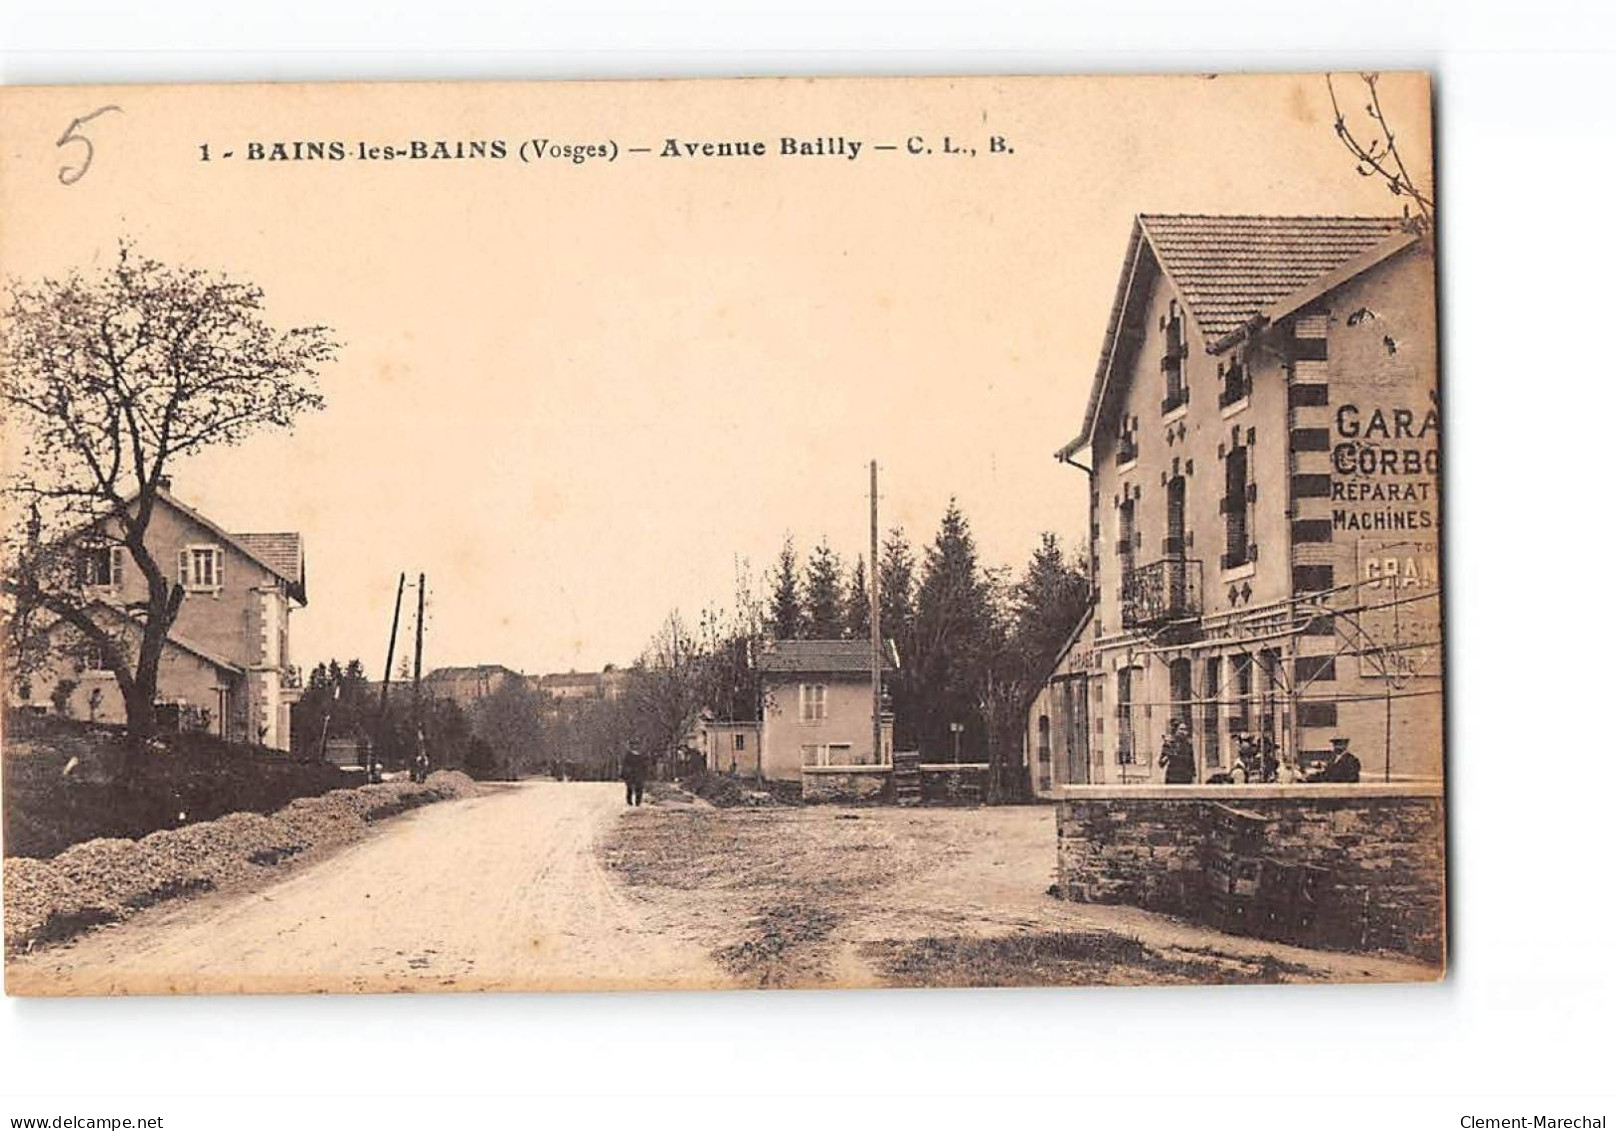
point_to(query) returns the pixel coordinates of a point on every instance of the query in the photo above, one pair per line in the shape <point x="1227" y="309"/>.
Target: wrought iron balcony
<point x="1161" y="592"/>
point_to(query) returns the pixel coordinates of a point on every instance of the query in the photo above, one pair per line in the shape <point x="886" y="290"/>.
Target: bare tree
<point x="108" y="381"/>
<point x="666" y="685"/>
<point x="1374" y="147"/>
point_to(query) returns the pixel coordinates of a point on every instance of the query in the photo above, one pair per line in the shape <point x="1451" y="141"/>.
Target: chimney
<point x="165" y="482"/>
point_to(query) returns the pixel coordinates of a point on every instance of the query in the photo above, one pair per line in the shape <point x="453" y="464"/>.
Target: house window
<point x="1127" y="538"/>
<point x="1240" y="717"/>
<point x="1125" y="751"/>
<point x="1236" y="383"/>
<point x="1180" y="681"/>
<point x="101" y="660"/>
<point x="1127" y="441"/>
<point x="812" y="697"/>
<point x="831" y="754"/>
<point x="739" y="742"/>
<point x="1174" y="545"/>
<point x="1209" y="712"/>
<point x="1045" y="777"/>
<point x="200" y="569"/>
<point x="101" y="566"/>
<point x="1076" y="709"/>
<point x="1238" y="495"/>
<point x="1173" y="352"/>
<point x="1268" y="724"/>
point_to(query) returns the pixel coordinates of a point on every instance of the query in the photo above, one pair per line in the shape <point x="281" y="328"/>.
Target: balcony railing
<point x="1162" y="591"/>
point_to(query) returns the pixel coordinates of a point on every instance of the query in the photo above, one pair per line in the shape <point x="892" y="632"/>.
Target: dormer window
<point x="201" y="569"/>
<point x="1172" y="363"/>
<point x="1236" y="383"/>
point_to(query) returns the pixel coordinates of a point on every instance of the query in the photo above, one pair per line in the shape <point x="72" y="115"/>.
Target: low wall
<point x="1381" y="844"/>
<point x="845" y="783"/>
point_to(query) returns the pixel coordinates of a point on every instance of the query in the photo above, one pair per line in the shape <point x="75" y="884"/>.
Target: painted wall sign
<point x="1398" y="627"/>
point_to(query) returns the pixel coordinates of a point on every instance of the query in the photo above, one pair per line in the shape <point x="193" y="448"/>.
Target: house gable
<point x="1227" y="272"/>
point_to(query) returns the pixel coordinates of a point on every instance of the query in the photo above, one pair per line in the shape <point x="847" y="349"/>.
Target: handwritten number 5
<point x="70" y="174"/>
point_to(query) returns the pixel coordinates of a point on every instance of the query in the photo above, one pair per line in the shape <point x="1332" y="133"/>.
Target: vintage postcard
<point x="702" y="534"/>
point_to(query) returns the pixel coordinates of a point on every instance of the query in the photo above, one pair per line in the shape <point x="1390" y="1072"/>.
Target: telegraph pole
<point x="387" y="674"/>
<point x="873" y="587"/>
<point x="420" y="628"/>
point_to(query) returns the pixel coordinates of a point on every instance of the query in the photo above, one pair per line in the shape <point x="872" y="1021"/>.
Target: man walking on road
<point x="633" y="773"/>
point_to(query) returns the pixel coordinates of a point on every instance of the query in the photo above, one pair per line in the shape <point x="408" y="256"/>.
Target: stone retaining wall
<point x="846" y="784"/>
<point x="1383" y="846"/>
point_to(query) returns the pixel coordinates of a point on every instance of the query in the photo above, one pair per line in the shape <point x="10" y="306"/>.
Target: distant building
<point x="226" y="667"/>
<point x="728" y="746"/>
<point x="817" y="711"/>
<point x="570" y="689"/>
<point x="1261" y="443"/>
<point x="465" y="686"/>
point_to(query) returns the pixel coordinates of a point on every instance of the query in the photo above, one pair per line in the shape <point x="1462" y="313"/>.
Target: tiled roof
<point x="821" y="657"/>
<point x="282" y="553"/>
<point x="1231" y="268"/>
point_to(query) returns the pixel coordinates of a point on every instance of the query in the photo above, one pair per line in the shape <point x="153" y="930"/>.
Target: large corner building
<point x="1260" y="454"/>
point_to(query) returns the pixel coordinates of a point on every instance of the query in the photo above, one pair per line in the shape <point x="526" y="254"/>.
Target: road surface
<point x="502" y="891"/>
<point x="551" y="886"/>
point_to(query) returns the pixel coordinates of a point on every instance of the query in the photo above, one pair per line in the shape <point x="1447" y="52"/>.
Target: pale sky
<point x="573" y="394"/>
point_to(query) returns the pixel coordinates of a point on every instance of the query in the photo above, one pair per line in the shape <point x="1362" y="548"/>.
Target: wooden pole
<point x="387" y="672"/>
<point x="873" y="588"/>
<point x="420" y="629"/>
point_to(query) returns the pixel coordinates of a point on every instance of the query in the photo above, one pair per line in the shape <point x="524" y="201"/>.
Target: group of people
<point x="1254" y="761"/>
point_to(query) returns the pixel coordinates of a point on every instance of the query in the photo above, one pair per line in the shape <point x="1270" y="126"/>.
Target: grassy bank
<point x="66" y="782"/>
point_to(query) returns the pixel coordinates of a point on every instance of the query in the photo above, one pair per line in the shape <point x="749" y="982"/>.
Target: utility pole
<point x="387" y="677"/>
<point x="420" y="629"/>
<point x="873" y="588"/>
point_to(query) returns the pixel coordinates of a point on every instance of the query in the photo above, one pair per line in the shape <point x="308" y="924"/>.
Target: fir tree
<point x="826" y="612"/>
<point x="1047" y="602"/>
<point x="858" y="603"/>
<point x="785" y="601"/>
<point x="954" y="638"/>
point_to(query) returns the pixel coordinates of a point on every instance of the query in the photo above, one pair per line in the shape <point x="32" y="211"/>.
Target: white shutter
<point x="218" y="568"/>
<point x="185" y="568"/>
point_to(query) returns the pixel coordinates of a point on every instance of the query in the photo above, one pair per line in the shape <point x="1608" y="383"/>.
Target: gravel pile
<point x="107" y="879"/>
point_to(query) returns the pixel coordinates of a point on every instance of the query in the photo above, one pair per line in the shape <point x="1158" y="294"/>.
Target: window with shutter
<point x="101" y="566"/>
<point x="1125" y="751"/>
<point x="1127" y="538"/>
<point x="1238" y="495"/>
<point x="1210" y="693"/>
<point x="200" y="569"/>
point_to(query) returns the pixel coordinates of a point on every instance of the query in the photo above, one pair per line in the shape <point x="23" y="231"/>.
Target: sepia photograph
<point x="770" y="534"/>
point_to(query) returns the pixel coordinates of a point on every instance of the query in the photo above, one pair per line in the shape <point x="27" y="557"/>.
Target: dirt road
<point x="881" y="896"/>
<point x="557" y="886"/>
<point x="503" y="891"/>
